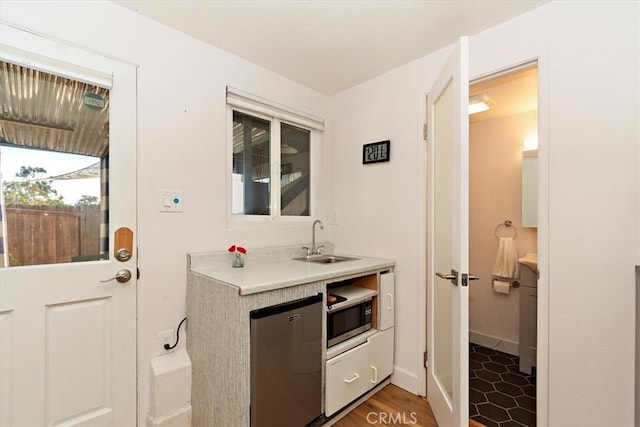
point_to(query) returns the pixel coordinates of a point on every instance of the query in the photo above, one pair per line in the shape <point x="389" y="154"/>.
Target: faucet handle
<point x="308" y="250"/>
<point x="318" y="249"/>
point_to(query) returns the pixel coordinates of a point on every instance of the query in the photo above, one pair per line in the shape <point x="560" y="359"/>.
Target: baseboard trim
<point x="495" y="343"/>
<point x="181" y="418"/>
<point x="406" y="380"/>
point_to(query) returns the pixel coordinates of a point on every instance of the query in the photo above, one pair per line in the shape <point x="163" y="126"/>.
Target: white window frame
<point x="276" y="114"/>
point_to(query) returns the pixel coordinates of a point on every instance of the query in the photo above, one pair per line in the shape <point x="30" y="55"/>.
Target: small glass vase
<point x="238" y="261"/>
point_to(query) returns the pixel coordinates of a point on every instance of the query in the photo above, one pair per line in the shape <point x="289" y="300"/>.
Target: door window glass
<point x="54" y="151"/>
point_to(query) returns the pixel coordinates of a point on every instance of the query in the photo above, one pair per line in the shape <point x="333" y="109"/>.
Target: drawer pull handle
<point x="375" y="375"/>
<point x="350" y="380"/>
<point x="390" y="307"/>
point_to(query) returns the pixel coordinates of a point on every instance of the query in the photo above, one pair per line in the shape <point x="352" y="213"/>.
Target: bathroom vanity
<point x="528" y="312"/>
<point x="219" y="302"/>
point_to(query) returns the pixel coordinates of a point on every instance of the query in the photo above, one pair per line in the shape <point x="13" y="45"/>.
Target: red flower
<point x="234" y="248"/>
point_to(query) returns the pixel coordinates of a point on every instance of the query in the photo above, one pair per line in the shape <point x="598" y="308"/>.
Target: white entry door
<point x="67" y="338"/>
<point x="447" y="242"/>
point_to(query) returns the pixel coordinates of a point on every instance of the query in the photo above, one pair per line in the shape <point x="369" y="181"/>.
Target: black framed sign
<point x="376" y="152"/>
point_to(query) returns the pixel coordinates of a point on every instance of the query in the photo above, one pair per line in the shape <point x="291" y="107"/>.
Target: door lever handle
<point x="453" y="277"/>
<point x="122" y="276"/>
<point x="467" y="277"/>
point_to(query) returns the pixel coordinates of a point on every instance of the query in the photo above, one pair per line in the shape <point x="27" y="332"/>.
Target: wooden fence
<point x="51" y="234"/>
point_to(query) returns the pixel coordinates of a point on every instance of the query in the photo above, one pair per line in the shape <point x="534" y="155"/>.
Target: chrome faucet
<point x="315" y="250"/>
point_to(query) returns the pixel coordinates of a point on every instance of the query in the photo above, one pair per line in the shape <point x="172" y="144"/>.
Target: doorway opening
<point x="503" y="248"/>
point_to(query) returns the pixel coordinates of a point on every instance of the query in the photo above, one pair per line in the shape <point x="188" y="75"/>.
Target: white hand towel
<point x="506" y="264"/>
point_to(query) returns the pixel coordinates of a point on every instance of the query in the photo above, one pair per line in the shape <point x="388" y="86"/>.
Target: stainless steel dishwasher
<point x="286" y="363"/>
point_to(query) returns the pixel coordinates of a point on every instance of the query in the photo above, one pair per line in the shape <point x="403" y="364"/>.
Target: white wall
<point x="590" y="53"/>
<point x="379" y="204"/>
<point x="181" y="95"/>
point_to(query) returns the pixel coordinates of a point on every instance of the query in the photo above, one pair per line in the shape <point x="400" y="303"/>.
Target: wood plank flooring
<point x="393" y="406"/>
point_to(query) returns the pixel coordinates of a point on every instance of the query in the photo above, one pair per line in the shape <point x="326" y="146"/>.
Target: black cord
<point x="171" y="347"/>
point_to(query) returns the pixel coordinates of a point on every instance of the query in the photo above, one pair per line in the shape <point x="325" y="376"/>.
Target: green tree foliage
<point x="86" y="200"/>
<point x="30" y="190"/>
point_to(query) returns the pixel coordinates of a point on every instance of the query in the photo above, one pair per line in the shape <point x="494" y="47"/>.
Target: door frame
<point x="479" y="70"/>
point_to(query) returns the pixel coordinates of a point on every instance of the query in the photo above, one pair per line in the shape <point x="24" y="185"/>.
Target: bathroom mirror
<point x="530" y="188"/>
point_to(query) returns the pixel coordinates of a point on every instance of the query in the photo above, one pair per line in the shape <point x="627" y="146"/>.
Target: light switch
<point x="171" y="201"/>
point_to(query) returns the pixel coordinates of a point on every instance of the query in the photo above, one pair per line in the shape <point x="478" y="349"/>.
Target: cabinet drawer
<point x="347" y="377"/>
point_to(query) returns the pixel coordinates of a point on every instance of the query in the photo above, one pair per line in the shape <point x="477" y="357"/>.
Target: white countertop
<point x="264" y="274"/>
<point x="530" y="260"/>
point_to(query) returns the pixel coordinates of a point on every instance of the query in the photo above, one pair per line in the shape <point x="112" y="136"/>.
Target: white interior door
<point x="68" y="341"/>
<point x="447" y="242"/>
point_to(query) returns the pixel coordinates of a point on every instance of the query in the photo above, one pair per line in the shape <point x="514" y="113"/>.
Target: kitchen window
<point x="272" y="159"/>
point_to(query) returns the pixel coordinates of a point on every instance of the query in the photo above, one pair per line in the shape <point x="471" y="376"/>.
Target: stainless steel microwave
<point x="347" y="322"/>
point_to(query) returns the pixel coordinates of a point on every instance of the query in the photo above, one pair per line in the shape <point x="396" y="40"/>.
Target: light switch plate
<point x="335" y="216"/>
<point x="171" y="201"/>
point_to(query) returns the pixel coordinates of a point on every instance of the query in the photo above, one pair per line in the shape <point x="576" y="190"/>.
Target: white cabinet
<point x="347" y="377"/>
<point x="354" y="372"/>
<point x="380" y="356"/>
<point x="386" y="297"/>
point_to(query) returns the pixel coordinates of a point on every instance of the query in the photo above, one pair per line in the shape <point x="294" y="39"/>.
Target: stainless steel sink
<point x="325" y="259"/>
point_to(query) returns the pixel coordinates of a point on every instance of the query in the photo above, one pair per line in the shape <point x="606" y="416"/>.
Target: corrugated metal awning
<point x="44" y="111"/>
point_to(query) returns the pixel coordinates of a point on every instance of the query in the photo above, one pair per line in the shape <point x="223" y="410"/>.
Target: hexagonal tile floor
<point x="499" y="394"/>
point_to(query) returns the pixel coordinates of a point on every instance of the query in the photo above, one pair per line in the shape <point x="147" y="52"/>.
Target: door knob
<point x="122" y="276"/>
<point x="453" y="277"/>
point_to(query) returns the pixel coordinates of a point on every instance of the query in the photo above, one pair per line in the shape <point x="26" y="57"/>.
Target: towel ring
<point x="506" y="224"/>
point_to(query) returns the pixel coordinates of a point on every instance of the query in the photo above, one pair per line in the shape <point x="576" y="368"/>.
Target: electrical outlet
<point x="166" y="337"/>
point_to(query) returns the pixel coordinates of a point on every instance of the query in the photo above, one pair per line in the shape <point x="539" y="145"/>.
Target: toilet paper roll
<point x="501" y="287"/>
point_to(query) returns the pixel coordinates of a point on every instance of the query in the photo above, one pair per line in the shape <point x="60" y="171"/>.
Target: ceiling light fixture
<point x="530" y="143"/>
<point x="480" y="103"/>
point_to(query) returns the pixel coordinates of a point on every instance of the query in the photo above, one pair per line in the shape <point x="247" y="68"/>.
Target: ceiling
<point x="515" y="92"/>
<point x="330" y="46"/>
<point x="44" y="111"/>
<point x="336" y="45"/>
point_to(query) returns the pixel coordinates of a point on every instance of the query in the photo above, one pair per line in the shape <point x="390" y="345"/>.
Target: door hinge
<point x="425" y="132"/>
<point x="425" y="360"/>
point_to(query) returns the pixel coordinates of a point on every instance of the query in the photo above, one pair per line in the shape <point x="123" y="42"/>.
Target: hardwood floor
<point x="393" y="406"/>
